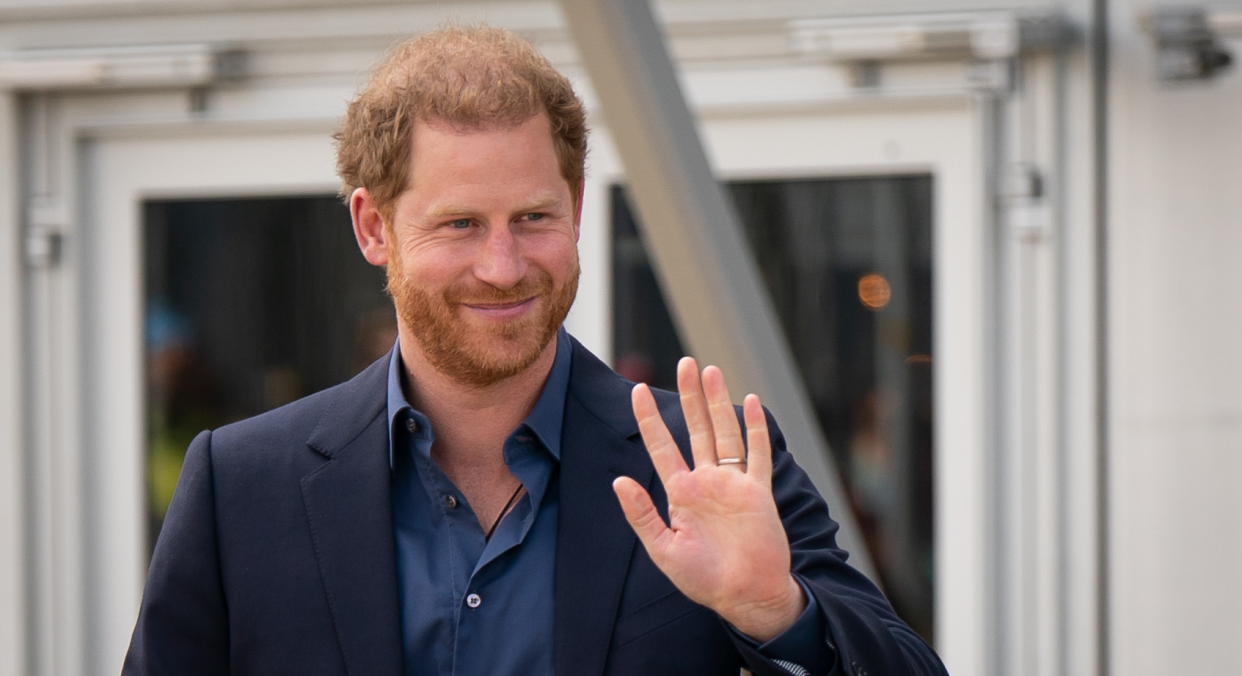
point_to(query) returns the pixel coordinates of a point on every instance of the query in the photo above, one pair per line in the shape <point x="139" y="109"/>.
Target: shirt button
<point x="411" y="425"/>
<point x="474" y="601"/>
<point x="450" y="501"/>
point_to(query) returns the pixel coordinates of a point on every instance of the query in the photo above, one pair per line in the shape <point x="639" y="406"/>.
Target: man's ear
<point x="369" y="227"/>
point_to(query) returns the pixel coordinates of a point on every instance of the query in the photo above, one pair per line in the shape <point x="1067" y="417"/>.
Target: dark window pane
<point x="645" y="343"/>
<point x="847" y="263"/>
<point x="250" y="304"/>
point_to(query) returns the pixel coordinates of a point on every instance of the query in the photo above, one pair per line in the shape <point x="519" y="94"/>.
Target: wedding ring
<point x="731" y="461"/>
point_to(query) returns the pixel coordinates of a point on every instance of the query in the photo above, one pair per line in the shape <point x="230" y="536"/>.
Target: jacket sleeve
<point x="182" y="625"/>
<point x="867" y="637"/>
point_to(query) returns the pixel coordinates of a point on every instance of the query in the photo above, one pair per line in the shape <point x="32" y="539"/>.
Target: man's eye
<point x="461" y="223"/>
<point x="534" y="217"/>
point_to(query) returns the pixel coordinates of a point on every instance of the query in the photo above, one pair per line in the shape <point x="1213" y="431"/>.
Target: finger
<point x="660" y="444"/>
<point x="698" y="419"/>
<point x="724" y="417"/>
<point x="759" y="444"/>
<point x="643" y="517"/>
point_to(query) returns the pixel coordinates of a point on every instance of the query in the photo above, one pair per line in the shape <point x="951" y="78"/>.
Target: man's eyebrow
<point x="542" y="203"/>
<point x="449" y="210"/>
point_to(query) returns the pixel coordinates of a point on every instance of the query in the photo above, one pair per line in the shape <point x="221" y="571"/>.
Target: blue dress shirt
<point x="472" y="606"/>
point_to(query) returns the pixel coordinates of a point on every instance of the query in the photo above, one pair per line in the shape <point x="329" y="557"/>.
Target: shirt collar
<point x="545" y="419"/>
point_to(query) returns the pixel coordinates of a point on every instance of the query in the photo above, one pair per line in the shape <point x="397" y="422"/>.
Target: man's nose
<point x="500" y="262"/>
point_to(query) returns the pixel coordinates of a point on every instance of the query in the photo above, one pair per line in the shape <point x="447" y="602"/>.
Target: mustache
<point x="538" y="284"/>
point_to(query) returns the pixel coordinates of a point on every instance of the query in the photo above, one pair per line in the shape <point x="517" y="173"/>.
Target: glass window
<point x="250" y="304"/>
<point x="847" y="263"/>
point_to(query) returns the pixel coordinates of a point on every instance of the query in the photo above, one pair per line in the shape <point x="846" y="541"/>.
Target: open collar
<point x="545" y="419"/>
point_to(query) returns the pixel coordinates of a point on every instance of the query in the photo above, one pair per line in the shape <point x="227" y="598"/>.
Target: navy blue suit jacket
<point x="277" y="553"/>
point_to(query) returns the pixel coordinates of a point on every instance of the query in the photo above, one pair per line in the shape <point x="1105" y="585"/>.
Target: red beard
<point x="481" y="356"/>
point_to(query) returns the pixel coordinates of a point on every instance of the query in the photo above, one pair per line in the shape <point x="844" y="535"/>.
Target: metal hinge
<point x="45" y="228"/>
<point x="1022" y="193"/>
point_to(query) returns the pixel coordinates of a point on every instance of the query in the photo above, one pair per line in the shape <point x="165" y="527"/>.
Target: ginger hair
<point x="465" y="77"/>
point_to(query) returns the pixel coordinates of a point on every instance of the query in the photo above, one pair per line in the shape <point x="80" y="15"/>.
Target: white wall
<point x="1176" y="230"/>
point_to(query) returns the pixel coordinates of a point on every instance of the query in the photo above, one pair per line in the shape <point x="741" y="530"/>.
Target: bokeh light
<point x="874" y="291"/>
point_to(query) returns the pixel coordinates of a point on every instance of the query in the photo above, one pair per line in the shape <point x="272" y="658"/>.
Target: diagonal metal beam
<point x="704" y="265"/>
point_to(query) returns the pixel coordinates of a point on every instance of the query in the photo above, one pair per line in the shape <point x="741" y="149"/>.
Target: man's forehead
<point x="477" y="147"/>
<point x="450" y="160"/>
<point x="428" y="138"/>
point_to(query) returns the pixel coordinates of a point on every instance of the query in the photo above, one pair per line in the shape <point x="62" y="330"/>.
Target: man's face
<point x="484" y="259"/>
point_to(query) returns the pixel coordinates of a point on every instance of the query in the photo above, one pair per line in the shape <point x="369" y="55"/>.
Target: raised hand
<point x="724" y="546"/>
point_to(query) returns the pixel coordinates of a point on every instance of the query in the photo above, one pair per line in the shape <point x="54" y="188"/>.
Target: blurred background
<point x="997" y="242"/>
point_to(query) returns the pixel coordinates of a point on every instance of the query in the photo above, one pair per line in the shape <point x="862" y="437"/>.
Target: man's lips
<point x="502" y="311"/>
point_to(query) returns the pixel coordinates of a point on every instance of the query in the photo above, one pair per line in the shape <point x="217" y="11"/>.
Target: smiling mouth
<point x="502" y="310"/>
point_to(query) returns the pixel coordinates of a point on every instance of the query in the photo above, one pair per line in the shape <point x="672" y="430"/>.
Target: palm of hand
<point x="725" y="546"/>
<point x="724" y="540"/>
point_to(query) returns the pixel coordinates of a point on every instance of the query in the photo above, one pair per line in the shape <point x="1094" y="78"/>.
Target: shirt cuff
<point x="803" y="648"/>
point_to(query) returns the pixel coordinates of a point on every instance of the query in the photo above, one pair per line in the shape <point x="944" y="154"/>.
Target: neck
<point x="471" y="422"/>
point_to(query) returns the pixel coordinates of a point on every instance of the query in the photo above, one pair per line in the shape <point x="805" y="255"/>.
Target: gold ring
<point x="731" y="461"/>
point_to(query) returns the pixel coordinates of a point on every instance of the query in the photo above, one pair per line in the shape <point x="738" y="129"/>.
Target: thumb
<point x="642" y="514"/>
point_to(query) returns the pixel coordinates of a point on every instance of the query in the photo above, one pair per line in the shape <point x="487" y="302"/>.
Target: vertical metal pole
<point x="697" y="247"/>
<point x="13" y="549"/>
<point x="51" y="370"/>
<point x="1061" y="298"/>
<point x="999" y="646"/>
<point x="39" y="373"/>
<point x="1100" y="84"/>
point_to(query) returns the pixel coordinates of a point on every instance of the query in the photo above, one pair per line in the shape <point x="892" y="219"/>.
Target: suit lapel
<point x="594" y="541"/>
<point x="349" y="508"/>
<point x="348" y="503"/>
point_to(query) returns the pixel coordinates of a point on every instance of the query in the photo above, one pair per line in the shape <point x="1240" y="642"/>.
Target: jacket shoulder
<point x="346" y="409"/>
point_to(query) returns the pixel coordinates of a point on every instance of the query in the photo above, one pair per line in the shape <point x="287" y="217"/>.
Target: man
<point x="480" y="501"/>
